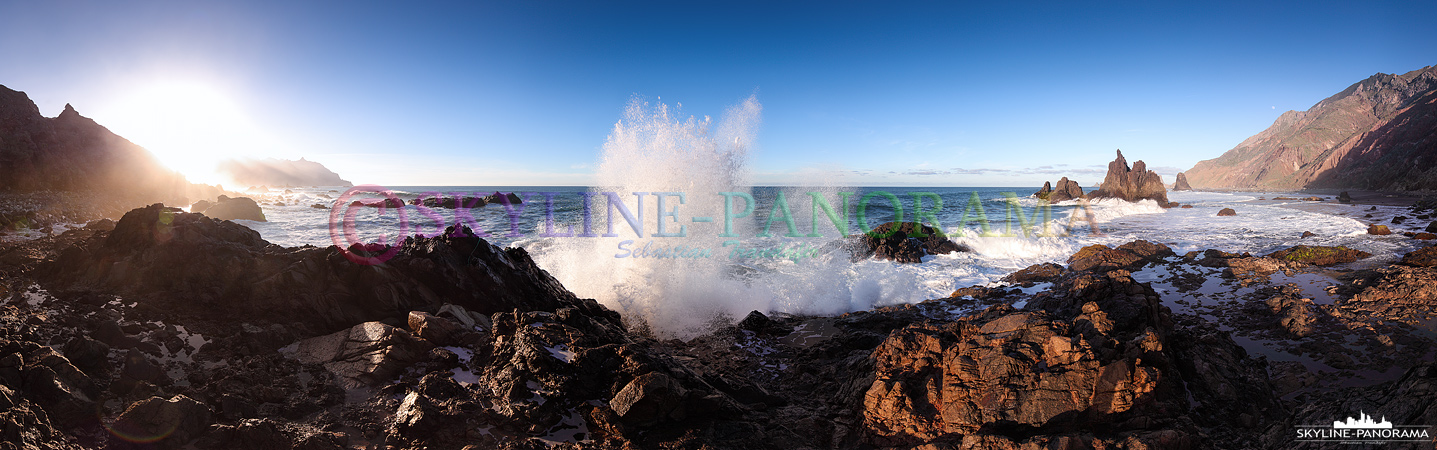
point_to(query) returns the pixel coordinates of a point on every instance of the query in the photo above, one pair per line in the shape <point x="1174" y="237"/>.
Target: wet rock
<point x="1431" y="227"/>
<point x="1423" y="257"/>
<point x="1319" y="255"/>
<point x="1226" y="212"/>
<point x="169" y="423"/>
<point x="367" y="354"/>
<point x="1131" y="256"/>
<point x="1379" y="230"/>
<point x="139" y="367"/>
<point x="1308" y="234"/>
<point x="1294" y="314"/>
<point x="1344" y="197"/>
<point x="1036" y="273"/>
<point x="1131" y="184"/>
<point x="502" y="198"/>
<point x="1399" y="219"/>
<point x="905" y="242"/>
<point x="650" y="398"/>
<point x="1424" y="236"/>
<point x="1187" y="206"/>
<point x="450" y="202"/>
<point x="238" y="208"/>
<point x="759" y="323"/>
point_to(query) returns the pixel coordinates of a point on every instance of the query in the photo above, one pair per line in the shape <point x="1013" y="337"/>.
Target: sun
<point x="189" y="126"/>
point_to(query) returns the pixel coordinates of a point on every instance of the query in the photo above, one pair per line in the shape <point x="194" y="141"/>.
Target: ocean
<point x="681" y="284"/>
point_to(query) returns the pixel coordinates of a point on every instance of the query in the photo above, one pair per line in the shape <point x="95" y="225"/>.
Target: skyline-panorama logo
<point x="1364" y="430"/>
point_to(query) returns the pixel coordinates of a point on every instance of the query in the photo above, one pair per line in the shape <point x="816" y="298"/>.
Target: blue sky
<point x="525" y="92"/>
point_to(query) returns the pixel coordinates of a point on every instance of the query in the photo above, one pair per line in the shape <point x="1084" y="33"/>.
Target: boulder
<point x="1226" y="212"/>
<point x="1308" y="234"/>
<point x="1187" y="206"/>
<point x="1131" y="256"/>
<point x="434" y="329"/>
<point x="1424" y="236"/>
<point x="367" y="354"/>
<point x="169" y="423"/>
<point x="1379" y="230"/>
<point x="200" y="206"/>
<point x="903" y="242"/>
<point x="1131" y="184"/>
<point x="1319" y="255"/>
<point x="1181" y="183"/>
<point x="1037" y="273"/>
<point x="650" y="398"/>
<point x="1344" y="197"/>
<point x="239" y="208"/>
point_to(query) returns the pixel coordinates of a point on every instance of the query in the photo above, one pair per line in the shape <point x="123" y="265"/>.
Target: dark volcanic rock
<point x="171" y="423"/>
<point x="195" y="266"/>
<point x="1099" y="353"/>
<point x="1423" y="257"/>
<point x="1319" y="255"/>
<point x="1181" y="183"/>
<point x="367" y="354"/>
<point x="239" y="208"/>
<point x="905" y="242"/>
<point x="1036" y="273"/>
<point x="1131" y="184"/>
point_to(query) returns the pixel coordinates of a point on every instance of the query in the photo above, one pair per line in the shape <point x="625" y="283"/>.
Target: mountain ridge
<point x="1379" y="133"/>
<point x="71" y="152"/>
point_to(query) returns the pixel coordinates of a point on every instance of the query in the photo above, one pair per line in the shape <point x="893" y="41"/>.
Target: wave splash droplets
<point x="653" y="151"/>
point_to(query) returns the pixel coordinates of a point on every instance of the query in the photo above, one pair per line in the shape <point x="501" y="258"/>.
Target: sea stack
<point x="1181" y="183"/>
<point x="1131" y="184"/>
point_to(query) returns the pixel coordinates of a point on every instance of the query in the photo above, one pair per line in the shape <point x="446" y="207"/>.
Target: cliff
<point x="72" y="153"/>
<point x="1379" y="133"/>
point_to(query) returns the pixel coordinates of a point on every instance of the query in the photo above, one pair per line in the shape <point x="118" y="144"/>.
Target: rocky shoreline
<point x="173" y="330"/>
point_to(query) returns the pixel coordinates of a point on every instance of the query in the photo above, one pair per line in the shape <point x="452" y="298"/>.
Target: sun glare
<point x="188" y="126"/>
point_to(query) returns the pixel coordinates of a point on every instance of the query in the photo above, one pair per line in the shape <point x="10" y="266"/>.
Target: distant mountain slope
<point x="73" y="153"/>
<point x="280" y="172"/>
<point x="1380" y="133"/>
